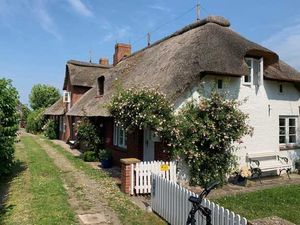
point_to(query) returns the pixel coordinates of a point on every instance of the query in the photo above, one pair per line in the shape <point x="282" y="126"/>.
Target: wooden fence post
<point x="126" y="165"/>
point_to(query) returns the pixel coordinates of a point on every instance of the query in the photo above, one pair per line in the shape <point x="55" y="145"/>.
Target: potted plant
<point x="297" y="165"/>
<point x="241" y="175"/>
<point x="105" y="157"/>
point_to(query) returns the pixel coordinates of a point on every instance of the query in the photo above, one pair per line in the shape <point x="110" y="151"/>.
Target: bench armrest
<point x="254" y="161"/>
<point x="285" y="159"/>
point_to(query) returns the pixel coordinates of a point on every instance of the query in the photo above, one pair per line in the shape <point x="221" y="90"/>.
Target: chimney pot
<point x="103" y="61"/>
<point x="121" y="50"/>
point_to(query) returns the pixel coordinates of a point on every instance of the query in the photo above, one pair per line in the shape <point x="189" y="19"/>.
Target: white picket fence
<point x="170" y="201"/>
<point x="141" y="175"/>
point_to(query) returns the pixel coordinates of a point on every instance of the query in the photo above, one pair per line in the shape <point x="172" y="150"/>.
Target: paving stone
<point x="92" y="218"/>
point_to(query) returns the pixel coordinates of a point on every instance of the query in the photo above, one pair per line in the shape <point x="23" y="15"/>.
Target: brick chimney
<point x="121" y="51"/>
<point x="103" y="61"/>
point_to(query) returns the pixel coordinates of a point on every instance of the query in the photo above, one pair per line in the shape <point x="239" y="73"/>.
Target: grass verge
<point x="279" y="201"/>
<point x="127" y="212"/>
<point x="37" y="195"/>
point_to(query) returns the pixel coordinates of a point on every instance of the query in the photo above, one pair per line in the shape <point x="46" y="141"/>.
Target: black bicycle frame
<point x="197" y="206"/>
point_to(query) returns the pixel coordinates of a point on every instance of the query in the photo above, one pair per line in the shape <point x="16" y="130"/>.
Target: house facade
<point x="188" y="64"/>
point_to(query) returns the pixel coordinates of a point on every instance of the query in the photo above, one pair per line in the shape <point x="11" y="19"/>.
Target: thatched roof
<point x="56" y="109"/>
<point x="174" y="63"/>
<point x="82" y="73"/>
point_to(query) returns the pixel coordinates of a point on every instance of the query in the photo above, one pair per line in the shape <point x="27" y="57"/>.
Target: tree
<point x="42" y="96"/>
<point x="8" y="124"/>
<point x="35" y="121"/>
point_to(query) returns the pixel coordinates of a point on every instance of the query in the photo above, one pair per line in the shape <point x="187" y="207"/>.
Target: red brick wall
<point x="77" y="92"/>
<point x="134" y="144"/>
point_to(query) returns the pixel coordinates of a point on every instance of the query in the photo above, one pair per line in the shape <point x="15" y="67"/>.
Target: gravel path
<point x="83" y="192"/>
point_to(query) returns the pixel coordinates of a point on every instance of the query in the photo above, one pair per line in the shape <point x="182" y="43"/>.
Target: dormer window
<point x="66" y="97"/>
<point x="101" y="85"/>
<point x="255" y="72"/>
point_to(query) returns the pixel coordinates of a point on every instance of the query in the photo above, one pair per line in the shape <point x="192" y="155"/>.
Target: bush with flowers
<point x="137" y="109"/>
<point x="206" y="133"/>
<point x="202" y="133"/>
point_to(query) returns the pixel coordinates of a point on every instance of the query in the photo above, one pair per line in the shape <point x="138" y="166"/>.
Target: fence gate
<point x="141" y="175"/>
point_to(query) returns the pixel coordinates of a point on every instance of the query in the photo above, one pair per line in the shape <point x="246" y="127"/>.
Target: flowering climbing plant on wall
<point x="206" y="136"/>
<point x="135" y="108"/>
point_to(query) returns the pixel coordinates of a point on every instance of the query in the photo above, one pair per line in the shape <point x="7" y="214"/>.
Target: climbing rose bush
<point x="205" y="136"/>
<point x="135" y="108"/>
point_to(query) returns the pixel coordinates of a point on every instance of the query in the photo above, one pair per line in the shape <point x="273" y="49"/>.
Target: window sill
<point x="288" y="147"/>
<point x="123" y="149"/>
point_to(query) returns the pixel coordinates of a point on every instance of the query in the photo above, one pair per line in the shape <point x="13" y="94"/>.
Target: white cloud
<point x="118" y="33"/>
<point x="160" y="8"/>
<point x="80" y="8"/>
<point x="286" y="42"/>
<point x="44" y="18"/>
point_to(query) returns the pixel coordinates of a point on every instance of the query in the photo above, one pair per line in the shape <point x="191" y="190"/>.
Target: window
<point x="287" y="130"/>
<point x="101" y="85"/>
<point x="220" y="84"/>
<point x="120" y="138"/>
<point x="67" y="97"/>
<point x="280" y="88"/>
<point x="61" y="124"/>
<point x="255" y="72"/>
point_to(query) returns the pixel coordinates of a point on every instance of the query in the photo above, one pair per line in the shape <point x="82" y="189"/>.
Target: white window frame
<point x="287" y="127"/>
<point x="260" y="72"/>
<point x="120" y="137"/>
<point x="66" y="97"/>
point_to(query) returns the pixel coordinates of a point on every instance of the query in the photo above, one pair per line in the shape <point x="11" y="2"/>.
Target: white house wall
<point x="264" y="105"/>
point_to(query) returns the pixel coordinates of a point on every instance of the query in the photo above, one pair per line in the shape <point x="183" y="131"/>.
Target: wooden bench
<point x="268" y="161"/>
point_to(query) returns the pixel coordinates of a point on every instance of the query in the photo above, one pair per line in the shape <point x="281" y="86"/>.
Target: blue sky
<point x="39" y="36"/>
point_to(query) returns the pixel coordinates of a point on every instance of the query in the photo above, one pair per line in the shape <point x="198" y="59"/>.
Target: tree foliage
<point x="35" y="121"/>
<point x="206" y="134"/>
<point x="43" y="96"/>
<point x="8" y="124"/>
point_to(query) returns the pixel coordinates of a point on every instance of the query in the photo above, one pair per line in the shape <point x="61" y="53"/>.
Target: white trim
<point x="259" y="75"/>
<point x="286" y="129"/>
<point x="66" y="96"/>
<point x="120" y="137"/>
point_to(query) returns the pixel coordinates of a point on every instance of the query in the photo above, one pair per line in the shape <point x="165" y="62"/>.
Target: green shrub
<point x="89" y="156"/>
<point x="88" y="136"/>
<point x="35" y="121"/>
<point x="8" y="124"/>
<point x="105" y="154"/>
<point x="205" y="136"/>
<point x="51" y="129"/>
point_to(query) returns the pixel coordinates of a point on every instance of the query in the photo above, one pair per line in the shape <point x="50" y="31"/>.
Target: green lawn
<point x="35" y="191"/>
<point x="280" y="201"/>
<point x="128" y="212"/>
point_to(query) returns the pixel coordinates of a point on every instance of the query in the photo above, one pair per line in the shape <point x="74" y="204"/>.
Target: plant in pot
<point x="105" y="157"/>
<point x="297" y="165"/>
<point x="241" y="175"/>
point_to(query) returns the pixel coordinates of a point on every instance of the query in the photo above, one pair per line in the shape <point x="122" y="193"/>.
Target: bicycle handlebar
<point x="211" y="186"/>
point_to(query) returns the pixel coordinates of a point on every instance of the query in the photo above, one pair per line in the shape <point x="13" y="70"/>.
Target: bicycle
<point x="197" y="205"/>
